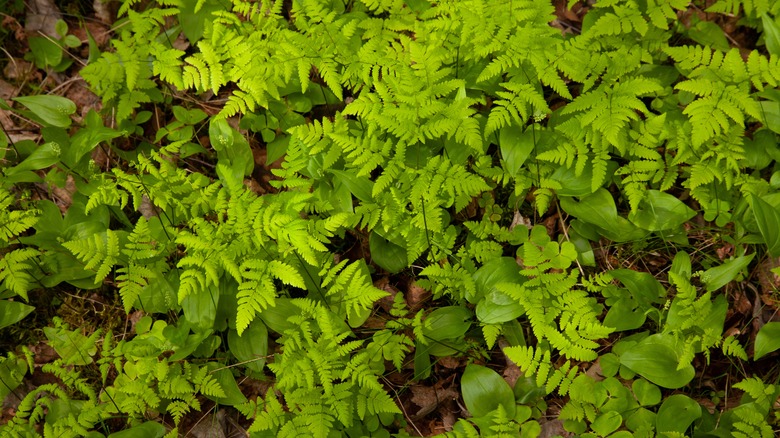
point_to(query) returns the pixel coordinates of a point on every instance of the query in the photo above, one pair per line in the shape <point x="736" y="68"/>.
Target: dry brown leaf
<point x="18" y="69"/>
<point x="210" y="425"/>
<point x="146" y="208"/>
<point x="553" y="428"/>
<point x="7" y="91"/>
<point x="104" y="11"/>
<point x="416" y="296"/>
<point x="42" y="16"/>
<point x="63" y="196"/>
<point x="386" y="303"/>
<point x="511" y="372"/>
<point x="449" y="362"/>
<point x="428" y="398"/>
<point x="84" y="99"/>
<point x="43" y="353"/>
<point x="769" y="282"/>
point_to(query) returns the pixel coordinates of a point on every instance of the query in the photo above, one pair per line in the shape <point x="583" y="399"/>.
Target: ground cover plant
<point x="391" y="218"/>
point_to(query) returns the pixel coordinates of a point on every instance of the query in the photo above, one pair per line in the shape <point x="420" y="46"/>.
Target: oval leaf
<point x="483" y="390"/>
<point x="607" y="423"/>
<point x="768" y="220"/>
<point x="498" y="307"/>
<point x="386" y="254"/>
<point x="52" y="110"/>
<point x="677" y="413"/>
<point x="660" y="211"/>
<point x="12" y="312"/>
<point x="719" y="276"/>
<point x="495" y="271"/>
<point x="251" y="347"/>
<point x="767" y="340"/>
<point x="150" y="429"/>
<point x="656" y="359"/>
<point x="646" y="393"/>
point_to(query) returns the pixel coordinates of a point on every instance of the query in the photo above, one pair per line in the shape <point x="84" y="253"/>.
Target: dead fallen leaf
<point x="386" y="303"/>
<point x="63" y="196"/>
<point x="512" y="372"/>
<point x="12" y="23"/>
<point x="741" y="302"/>
<point x="416" y="296"/>
<point x="518" y="219"/>
<point x="428" y="398"/>
<point x="449" y="362"/>
<point x="18" y="69"/>
<point x="134" y="317"/>
<point x="553" y="428"/>
<point x="84" y="99"/>
<point x="42" y="16"/>
<point x="43" y="353"/>
<point x="105" y="11"/>
<point x="769" y="282"/>
<point x="211" y="425"/>
<point x="146" y="208"/>
<point x="7" y="91"/>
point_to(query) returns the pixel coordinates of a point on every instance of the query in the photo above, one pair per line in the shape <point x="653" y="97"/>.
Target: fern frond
<point x="100" y="252"/>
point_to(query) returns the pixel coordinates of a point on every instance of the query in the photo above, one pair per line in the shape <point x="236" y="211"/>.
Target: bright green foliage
<point x="328" y="383"/>
<point x="439" y="135"/>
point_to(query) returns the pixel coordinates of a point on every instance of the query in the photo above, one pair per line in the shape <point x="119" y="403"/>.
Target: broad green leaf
<point x="709" y="34"/>
<point x="767" y="340"/>
<point x="192" y="21"/>
<point x="233" y="395"/>
<point x="160" y="296"/>
<point x="494" y="272"/>
<point x="656" y="359"/>
<point x="610" y="363"/>
<point x="220" y="134"/>
<point x="768" y="220"/>
<point x="422" y="361"/>
<point x="276" y="317"/>
<point x="61" y="27"/>
<point x="527" y="391"/>
<point x="201" y="308"/>
<point x="660" y="211"/>
<point x="624" y="315"/>
<point x="12" y="373"/>
<point x="360" y="186"/>
<point x="449" y="322"/>
<point x="497" y="307"/>
<point x="251" y="347"/>
<point x="86" y="139"/>
<point x="386" y="254"/>
<point x="484" y="390"/>
<point x="771" y="35"/>
<point x="513" y="333"/>
<point x="646" y="393"/>
<point x="719" y="276"/>
<point x="12" y="312"/>
<point x="642" y="285"/>
<point x="184" y="344"/>
<point x="44" y="156"/>
<point x="681" y="265"/>
<point x="771" y="112"/>
<point x="607" y="423"/>
<point x="52" y="110"/>
<point x="46" y="53"/>
<point x="599" y="210"/>
<point x="640" y="419"/>
<point x="677" y="413"/>
<point x="516" y="146"/>
<point x="150" y="429"/>
<point x="73" y="347"/>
